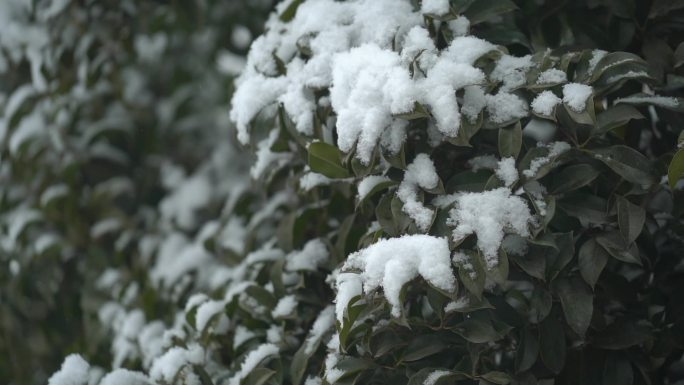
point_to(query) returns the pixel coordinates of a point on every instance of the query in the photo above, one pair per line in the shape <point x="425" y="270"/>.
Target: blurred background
<point x="114" y="134"/>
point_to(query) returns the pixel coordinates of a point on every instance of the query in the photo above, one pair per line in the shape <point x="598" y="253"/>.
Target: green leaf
<point x="510" y="141"/>
<point x="483" y="10"/>
<point x="527" y="352"/>
<point x="589" y="209"/>
<point x="552" y="344"/>
<point x="385" y="342"/>
<point x="573" y="177"/>
<point x="577" y="301"/>
<point x="471" y="272"/>
<point x="499" y="272"/>
<point x="540" y="304"/>
<point x="499" y="378"/>
<point x="556" y="261"/>
<point x="631" y="219"/>
<point x="679" y="55"/>
<point x="258" y="376"/>
<point x="290" y="12"/>
<point x="616" y="246"/>
<point x="533" y="262"/>
<point x="621" y="335"/>
<point x="617" y="370"/>
<point x="326" y="159"/>
<point x="424" y="346"/>
<point x="592" y="260"/>
<point x="676" y="169"/>
<point x="628" y="163"/>
<point x="616" y="116"/>
<point x="640" y="99"/>
<point x="477" y="331"/>
<point x="612" y="61"/>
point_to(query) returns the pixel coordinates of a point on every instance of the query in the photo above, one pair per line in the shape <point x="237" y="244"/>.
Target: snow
<point x="474" y="101"/>
<point x="207" y="311"/>
<point x="459" y="26"/>
<point x="597" y="55"/>
<point x="332" y="374"/>
<point x="30" y="127"/>
<point x="514" y="245"/>
<point x="545" y="103"/>
<point x="541" y="130"/>
<point x="628" y="75"/>
<point x="391" y="263"/>
<point x="241" y="37"/>
<point x="165" y="367"/>
<point x="254" y="358"/>
<point x="459" y="304"/>
<point x="230" y="63"/>
<point x="464" y="262"/>
<point x="555" y="149"/>
<point x="151" y="342"/>
<point x="421" y="173"/>
<point x="438" y="90"/>
<point x="53" y="192"/>
<point x="242" y="335"/>
<point x="348" y="286"/>
<point x="435" y="7"/>
<point x="185" y="199"/>
<point x="512" y="71"/>
<point x="105" y="226"/>
<point x="506" y="171"/>
<point x="313" y="381"/>
<point x="251" y="96"/>
<point x="368" y="183"/>
<point x="504" y="107"/>
<point x="661" y="101"/>
<point x="45" y="241"/>
<point x="286" y="307"/>
<point x="418" y="44"/>
<point x="125" y="377"/>
<point x="575" y="95"/>
<point x="311" y="179"/>
<point x="467" y="49"/>
<point x="313" y="254"/>
<point x="369" y="86"/>
<point x="434" y="376"/>
<point x="489" y="215"/>
<point x="266" y="159"/>
<point x="324" y="322"/>
<point x="480" y="162"/>
<point x="74" y="371"/>
<point x="552" y="76"/>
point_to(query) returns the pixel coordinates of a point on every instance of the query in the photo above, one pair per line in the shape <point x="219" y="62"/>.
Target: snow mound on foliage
<point x="74" y="371"/>
<point x="421" y="173"/>
<point x="489" y="215"/>
<point x="391" y="263"/>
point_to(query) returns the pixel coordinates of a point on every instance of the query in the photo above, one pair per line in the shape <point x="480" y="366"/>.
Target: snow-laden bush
<point x="428" y="208"/>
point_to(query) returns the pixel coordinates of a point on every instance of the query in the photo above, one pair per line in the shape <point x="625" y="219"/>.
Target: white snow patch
<point x="74" y="371"/>
<point x="552" y="76"/>
<point x="575" y="96"/>
<point x="545" y="103"/>
<point x="285" y="307"/>
<point x="555" y="149"/>
<point x="313" y="255"/>
<point x="254" y="358"/>
<point x="391" y="263"/>
<point x="489" y="215"/>
<point x="421" y="173"/>
<point x="506" y="171"/>
<point x="435" y="7"/>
